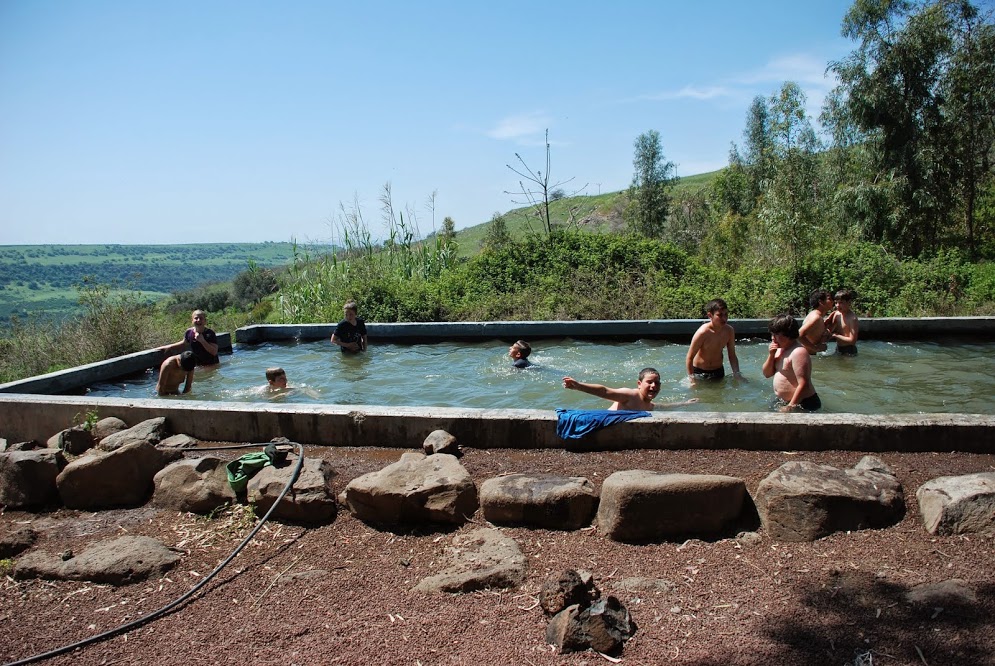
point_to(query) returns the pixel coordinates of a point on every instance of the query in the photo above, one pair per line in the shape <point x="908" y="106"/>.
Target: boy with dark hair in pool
<point x="519" y="353"/>
<point x="276" y="378"/>
<point x="790" y="364"/>
<point x="818" y="324"/>
<point x="172" y="371"/>
<point x="847" y="328"/>
<point x="636" y="399"/>
<point x="350" y="334"/>
<point x="704" y="359"/>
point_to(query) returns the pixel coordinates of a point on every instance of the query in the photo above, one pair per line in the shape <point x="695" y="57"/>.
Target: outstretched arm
<point x="681" y="403"/>
<point x="598" y="390"/>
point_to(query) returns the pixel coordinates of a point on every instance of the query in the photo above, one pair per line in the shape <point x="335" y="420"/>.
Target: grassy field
<point x="41" y="279"/>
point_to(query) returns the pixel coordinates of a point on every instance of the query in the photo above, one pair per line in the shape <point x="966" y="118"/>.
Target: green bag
<point x="244" y="468"/>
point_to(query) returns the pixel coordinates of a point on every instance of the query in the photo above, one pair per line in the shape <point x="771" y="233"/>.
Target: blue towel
<point x="575" y="423"/>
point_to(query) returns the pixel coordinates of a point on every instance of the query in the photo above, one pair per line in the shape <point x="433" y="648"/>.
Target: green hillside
<point x="594" y="213"/>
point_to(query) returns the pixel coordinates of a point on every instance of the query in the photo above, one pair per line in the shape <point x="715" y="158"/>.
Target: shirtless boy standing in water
<point x="704" y="359"/>
<point x="639" y="398"/>
<point x="819" y="323"/>
<point x="847" y="328"/>
<point x="173" y="371"/>
<point x="789" y="363"/>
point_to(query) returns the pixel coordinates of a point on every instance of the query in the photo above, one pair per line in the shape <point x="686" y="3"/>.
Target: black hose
<point x="170" y="606"/>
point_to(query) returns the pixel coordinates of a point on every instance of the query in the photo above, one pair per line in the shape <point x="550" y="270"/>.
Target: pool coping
<point x="25" y="415"/>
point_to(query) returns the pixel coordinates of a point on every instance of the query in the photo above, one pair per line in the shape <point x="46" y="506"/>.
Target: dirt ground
<point x="341" y="594"/>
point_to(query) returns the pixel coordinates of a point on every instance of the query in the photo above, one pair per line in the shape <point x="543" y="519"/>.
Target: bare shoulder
<point x="702" y="330"/>
<point x="799" y="356"/>
<point x="729" y="332"/>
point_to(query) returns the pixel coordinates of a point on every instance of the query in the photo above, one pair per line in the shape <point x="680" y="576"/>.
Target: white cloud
<point x="520" y="127"/>
<point x="693" y="92"/>
<point x="801" y="68"/>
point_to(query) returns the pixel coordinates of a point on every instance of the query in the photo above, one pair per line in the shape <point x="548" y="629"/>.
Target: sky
<point x="243" y="121"/>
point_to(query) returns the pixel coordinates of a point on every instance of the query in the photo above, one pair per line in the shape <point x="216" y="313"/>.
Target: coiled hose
<point x="170" y="606"/>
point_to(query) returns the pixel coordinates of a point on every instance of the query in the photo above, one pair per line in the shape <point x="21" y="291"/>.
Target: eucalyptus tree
<point x="919" y="89"/>
<point x="789" y="196"/>
<point x="649" y="199"/>
<point x="969" y="94"/>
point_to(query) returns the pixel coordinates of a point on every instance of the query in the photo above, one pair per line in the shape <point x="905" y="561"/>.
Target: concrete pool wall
<point x="26" y="415"/>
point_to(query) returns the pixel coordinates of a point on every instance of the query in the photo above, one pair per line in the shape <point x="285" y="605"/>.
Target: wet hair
<point x="188" y="361"/>
<point x="784" y="324"/>
<point x="523" y="347"/>
<point x="272" y="374"/>
<point x="648" y="371"/>
<point x="715" y="305"/>
<point x="848" y="295"/>
<point x="351" y="305"/>
<point x="817" y="297"/>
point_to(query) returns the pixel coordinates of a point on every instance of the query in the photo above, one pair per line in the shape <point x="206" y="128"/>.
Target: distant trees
<point x="649" y="200"/>
<point x="253" y="284"/>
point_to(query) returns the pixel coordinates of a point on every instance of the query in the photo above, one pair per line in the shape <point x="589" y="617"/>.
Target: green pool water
<point x="886" y="377"/>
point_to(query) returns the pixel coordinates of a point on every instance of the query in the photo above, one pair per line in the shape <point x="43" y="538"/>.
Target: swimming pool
<point x="887" y="377"/>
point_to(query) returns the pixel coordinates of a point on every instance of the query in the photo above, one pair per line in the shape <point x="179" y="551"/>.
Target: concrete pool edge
<point x="27" y="417"/>
<point x="899" y="328"/>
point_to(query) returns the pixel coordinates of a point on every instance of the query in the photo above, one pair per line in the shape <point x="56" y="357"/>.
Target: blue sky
<point x="183" y="122"/>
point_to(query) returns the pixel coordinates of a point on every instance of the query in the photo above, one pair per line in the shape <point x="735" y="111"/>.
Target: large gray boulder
<point x="28" y="478"/>
<point x="484" y="558"/>
<point x="151" y="431"/>
<point x="120" y="478"/>
<point x="804" y="501"/>
<point x="178" y="442"/>
<point x="416" y="489"/>
<point x="106" y="427"/>
<point x="311" y="500"/>
<point x="639" y="505"/>
<point x="117" y="561"/>
<point x="197" y="485"/>
<point x="958" y="504"/>
<point x="539" y="500"/>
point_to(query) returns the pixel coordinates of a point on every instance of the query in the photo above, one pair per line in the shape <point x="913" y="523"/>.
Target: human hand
<point x="772" y="348"/>
<point x="569" y="383"/>
<point x="691" y="401"/>
<point x="784" y="409"/>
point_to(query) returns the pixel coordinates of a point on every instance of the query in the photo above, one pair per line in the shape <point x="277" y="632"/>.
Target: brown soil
<point x="341" y="594"/>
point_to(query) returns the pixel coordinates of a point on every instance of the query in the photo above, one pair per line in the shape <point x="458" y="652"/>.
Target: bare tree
<point x="537" y="189"/>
